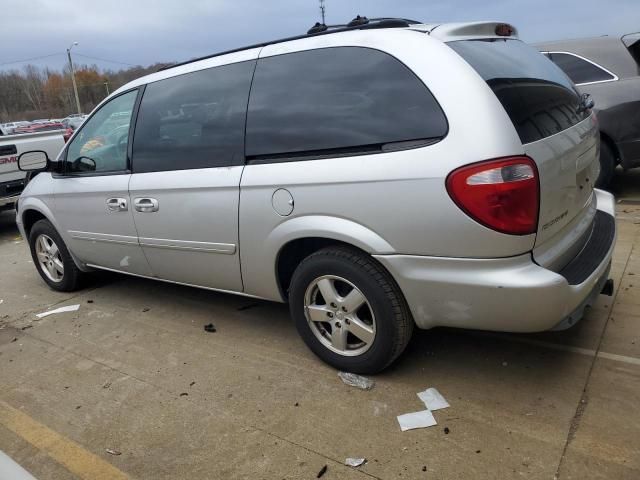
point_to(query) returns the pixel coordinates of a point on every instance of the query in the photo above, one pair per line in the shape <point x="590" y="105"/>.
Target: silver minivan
<point x="377" y="176"/>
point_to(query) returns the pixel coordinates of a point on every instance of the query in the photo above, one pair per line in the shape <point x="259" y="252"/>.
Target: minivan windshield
<point x="536" y="94"/>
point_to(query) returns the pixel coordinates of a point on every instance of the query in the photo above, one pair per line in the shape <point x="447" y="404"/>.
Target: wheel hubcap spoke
<point x="361" y="330"/>
<point x="57" y="263"/>
<point x="328" y="291"/>
<point x="353" y="301"/>
<point x="339" y="338"/>
<point x="318" y="313"/>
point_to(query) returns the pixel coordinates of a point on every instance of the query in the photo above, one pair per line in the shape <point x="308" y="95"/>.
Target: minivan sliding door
<point x="188" y="155"/>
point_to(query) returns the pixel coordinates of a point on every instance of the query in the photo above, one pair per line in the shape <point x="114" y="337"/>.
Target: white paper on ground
<point x="422" y="419"/>
<point x="354" y="462"/>
<point x="432" y="399"/>
<point x="68" y="308"/>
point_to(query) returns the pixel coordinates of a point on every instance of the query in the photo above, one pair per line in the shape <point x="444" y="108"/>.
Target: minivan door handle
<point x="117" y="204"/>
<point x="146" y="205"/>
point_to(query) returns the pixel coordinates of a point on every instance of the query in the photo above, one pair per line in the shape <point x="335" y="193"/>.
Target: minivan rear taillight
<point x="501" y="194"/>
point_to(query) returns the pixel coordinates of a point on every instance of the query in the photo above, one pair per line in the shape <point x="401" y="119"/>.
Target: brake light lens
<point x="501" y="194"/>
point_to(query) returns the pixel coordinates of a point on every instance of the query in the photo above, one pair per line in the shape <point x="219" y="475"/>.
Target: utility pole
<point x="322" y="9"/>
<point x="73" y="77"/>
<point x="106" y="85"/>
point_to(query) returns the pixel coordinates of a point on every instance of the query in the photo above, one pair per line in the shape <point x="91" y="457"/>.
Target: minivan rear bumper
<point x="504" y="294"/>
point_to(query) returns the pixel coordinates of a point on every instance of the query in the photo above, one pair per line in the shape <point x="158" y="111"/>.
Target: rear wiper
<point x="586" y="103"/>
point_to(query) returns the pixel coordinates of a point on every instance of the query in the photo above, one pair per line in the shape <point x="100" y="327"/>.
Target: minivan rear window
<point x="337" y="100"/>
<point x="536" y="94"/>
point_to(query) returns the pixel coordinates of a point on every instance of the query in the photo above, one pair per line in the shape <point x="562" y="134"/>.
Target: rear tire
<point x="362" y="299"/>
<point x="607" y="167"/>
<point x="52" y="258"/>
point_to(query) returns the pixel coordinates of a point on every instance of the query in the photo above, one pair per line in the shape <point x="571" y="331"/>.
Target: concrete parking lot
<point x="131" y="386"/>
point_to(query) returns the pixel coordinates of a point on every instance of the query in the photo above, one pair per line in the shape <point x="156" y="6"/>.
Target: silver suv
<point x="377" y="176"/>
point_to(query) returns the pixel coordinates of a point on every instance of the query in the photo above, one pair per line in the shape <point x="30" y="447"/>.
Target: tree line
<point x="34" y="92"/>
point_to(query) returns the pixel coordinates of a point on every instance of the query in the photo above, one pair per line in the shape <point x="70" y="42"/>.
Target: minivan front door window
<point x="101" y="145"/>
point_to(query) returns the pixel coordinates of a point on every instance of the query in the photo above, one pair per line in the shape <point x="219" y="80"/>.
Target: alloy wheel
<point x="339" y="315"/>
<point x="49" y="258"/>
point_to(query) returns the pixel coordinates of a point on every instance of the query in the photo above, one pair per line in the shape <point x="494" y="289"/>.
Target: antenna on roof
<point x="322" y="10"/>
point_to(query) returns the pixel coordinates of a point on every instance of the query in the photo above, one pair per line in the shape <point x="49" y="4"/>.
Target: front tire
<point x="349" y="310"/>
<point x="52" y="258"/>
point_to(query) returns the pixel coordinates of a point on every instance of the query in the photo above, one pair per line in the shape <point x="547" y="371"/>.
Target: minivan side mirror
<point x="33" y="160"/>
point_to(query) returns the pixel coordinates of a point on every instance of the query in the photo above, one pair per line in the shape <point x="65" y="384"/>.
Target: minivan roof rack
<point x="358" y="23"/>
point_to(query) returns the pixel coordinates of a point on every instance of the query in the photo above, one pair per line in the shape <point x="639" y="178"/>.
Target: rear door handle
<point x="117" y="204"/>
<point x="146" y="205"/>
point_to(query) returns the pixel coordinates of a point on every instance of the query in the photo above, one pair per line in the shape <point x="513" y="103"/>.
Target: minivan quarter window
<point x="195" y="120"/>
<point x="344" y="98"/>
<point x="101" y="145"/>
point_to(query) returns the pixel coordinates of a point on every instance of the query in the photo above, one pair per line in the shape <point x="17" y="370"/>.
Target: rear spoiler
<point x="474" y="30"/>
<point x="630" y="39"/>
<point x="632" y="42"/>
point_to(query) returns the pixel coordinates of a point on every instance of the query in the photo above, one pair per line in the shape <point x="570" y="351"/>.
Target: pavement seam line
<point x="69" y="454"/>
<point x="291" y="442"/>
<point x="48" y="307"/>
<point x="582" y="403"/>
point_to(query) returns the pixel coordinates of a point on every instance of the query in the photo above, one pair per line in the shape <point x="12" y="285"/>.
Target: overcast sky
<point x="142" y="32"/>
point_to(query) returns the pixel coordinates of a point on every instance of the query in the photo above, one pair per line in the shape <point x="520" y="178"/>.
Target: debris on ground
<point x="89" y="301"/>
<point x="192" y="384"/>
<point x="247" y="307"/>
<point x="106" y="385"/>
<point x="68" y="308"/>
<point x="432" y="399"/>
<point x="322" y="471"/>
<point x="424" y="468"/>
<point x="210" y="327"/>
<point x="184" y="394"/>
<point x="14" y="339"/>
<point x="358" y="381"/>
<point x="354" y="462"/>
<point x="113" y="452"/>
<point x="421" y="419"/>
<point x="26" y="326"/>
<point x="145" y="309"/>
<point x="446" y="430"/>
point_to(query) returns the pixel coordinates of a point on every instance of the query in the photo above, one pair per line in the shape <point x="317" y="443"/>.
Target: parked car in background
<point x="12" y="180"/>
<point x="73" y="122"/>
<point x="7" y="128"/>
<point x="40" y="127"/>
<point x="608" y="69"/>
<point x="342" y="173"/>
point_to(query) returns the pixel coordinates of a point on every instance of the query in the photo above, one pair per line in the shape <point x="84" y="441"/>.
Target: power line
<point x="104" y="60"/>
<point x="30" y="59"/>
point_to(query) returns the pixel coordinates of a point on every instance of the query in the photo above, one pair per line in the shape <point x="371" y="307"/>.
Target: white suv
<point x="376" y="176"/>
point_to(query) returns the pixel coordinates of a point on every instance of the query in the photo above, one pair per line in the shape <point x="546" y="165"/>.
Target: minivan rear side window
<point x="195" y="120"/>
<point x="538" y="97"/>
<point x="338" y="100"/>
<point x="578" y="69"/>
